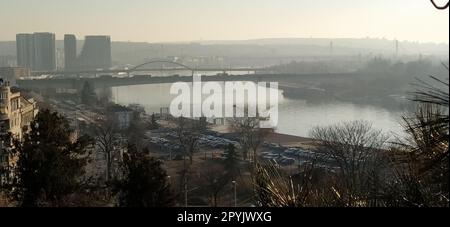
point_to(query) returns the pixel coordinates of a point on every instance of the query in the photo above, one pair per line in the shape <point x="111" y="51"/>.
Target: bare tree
<point x="106" y="139"/>
<point x="214" y="178"/>
<point x="135" y="134"/>
<point x="242" y="128"/>
<point x="357" y="150"/>
<point x="189" y="132"/>
<point x="231" y="161"/>
<point x="251" y="135"/>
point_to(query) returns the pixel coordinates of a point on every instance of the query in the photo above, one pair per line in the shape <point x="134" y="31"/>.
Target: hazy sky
<point x="187" y="20"/>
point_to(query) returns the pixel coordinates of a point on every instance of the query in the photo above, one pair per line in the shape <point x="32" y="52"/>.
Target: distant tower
<point x="25" y="50"/>
<point x="96" y="53"/>
<point x="44" y="51"/>
<point x="36" y="51"/>
<point x="70" y="51"/>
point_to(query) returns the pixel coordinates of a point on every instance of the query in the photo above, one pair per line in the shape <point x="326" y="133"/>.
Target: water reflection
<point x="296" y="117"/>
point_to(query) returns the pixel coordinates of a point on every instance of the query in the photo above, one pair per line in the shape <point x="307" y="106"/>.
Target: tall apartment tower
<point x="70" y="51"/>
<point x="36" y="51"/>
<point x="44" y="52"/>
<point x="25" y="50"/>
<point x="96" y="53"/>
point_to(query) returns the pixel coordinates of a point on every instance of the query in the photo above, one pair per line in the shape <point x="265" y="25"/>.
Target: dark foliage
<point x="144" y="183"/>
<point x="49" y="163"/>
<point x="88" y="96"/>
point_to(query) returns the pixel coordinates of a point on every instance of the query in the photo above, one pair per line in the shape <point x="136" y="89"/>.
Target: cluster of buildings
<point x="37" y="51"/>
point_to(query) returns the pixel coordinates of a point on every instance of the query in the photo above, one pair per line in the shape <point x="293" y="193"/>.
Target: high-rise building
<point x="70" y="51"/>
<point x="44" y="52"/>
<point x="96" y="53"/>
<point x="25" y="50"/>
<point x="36" y="51"/>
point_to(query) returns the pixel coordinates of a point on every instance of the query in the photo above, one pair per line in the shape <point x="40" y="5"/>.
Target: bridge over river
<point x="175" y="66"/>
<point x="290" y="80"/>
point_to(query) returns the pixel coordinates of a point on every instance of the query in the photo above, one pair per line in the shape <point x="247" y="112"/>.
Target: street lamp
<point x="186" y="192"/>
<point x="235" y="199"/>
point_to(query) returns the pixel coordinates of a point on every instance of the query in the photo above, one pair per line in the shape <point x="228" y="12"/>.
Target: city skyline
<point x="181" y="21"/>
<point x="228" y="104"/>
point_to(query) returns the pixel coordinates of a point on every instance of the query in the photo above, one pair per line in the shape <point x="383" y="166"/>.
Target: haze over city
<point x="224" y="103"/>
<point x="182" y="21"/>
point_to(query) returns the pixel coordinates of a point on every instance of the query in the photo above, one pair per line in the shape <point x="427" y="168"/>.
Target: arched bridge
<point x="185" y="67"/>
<point x="161" y="61"/>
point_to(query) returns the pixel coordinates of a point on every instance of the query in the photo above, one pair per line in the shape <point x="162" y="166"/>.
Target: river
<point x="296" y="117"/>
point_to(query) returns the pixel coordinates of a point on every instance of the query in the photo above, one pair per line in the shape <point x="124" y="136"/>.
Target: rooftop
<point x="15" y="90"/>
<point x="118" y="108"/>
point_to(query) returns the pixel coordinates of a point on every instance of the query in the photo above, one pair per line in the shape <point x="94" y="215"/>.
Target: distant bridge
<point x="285" y="80"/>
<point x="109" y="81"/>
<point x="138" y="68"/>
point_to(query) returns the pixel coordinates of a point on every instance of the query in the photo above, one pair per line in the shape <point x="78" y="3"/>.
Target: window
<point x="3" y="95"/>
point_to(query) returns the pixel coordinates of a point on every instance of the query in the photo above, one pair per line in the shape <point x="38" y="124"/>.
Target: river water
<point x="296" y="117"/>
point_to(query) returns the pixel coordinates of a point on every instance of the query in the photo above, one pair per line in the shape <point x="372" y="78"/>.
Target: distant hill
<point x="354" y="43"/>
<point x="274" y="49"/>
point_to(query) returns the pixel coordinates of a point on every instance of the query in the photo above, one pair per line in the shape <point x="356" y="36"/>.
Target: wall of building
<point x="15" y="110"/>
<point x="70" y="51"/>
<point x="16" y="115"/>
<point x="36" y="51"/>
<point x="96" y="53"/>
